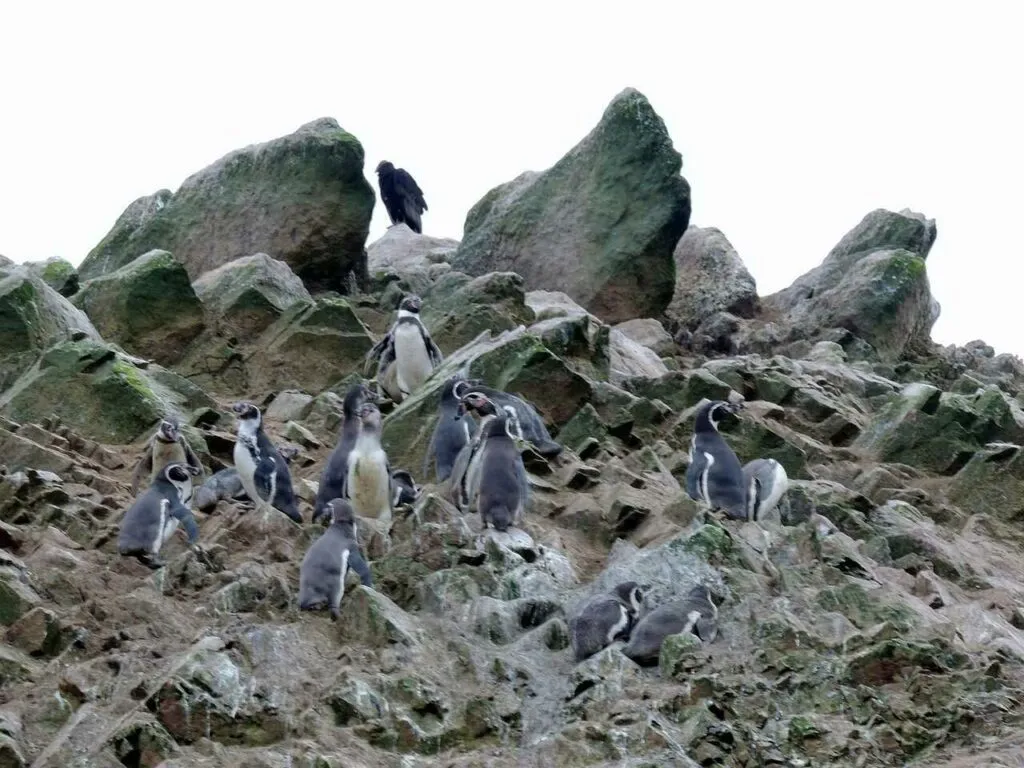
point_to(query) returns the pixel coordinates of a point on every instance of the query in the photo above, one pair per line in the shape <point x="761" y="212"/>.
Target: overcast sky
<point x="793" y="119"/>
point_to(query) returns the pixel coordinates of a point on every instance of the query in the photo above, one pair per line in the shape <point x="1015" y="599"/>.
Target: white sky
<point x="793" y="119"/>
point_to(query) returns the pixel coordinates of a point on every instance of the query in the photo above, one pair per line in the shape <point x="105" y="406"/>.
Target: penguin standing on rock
<point x="226" y="485"/>
<point x="695" y="613"/>
<point x="767" y="482"/>
<point x="605" y="619"/>
<point x="335" y="474"/>
<point x="261" y="467"/>
<point x="455" y="428"/>
<point x="714" y="475"/>
<point x="154" y="517"/>
<point x="497" y="482"/>
<point x="368" y="486"/>
<point x="166" y="446"/>
<point x="469" y="454"/>
<point x="407" y="355"/>
<point x="323" y="570"/>
<point x="404" y="489"/>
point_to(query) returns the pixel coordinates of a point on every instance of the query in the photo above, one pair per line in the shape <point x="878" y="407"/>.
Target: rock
<point x="710" y="278"/>
<point x="246" y="295"/>
<point x="17" y="598"/>
<point x="372" y="619"/>
<point x="629" y="359"/>
<point x="992" y="482"/>
<point x="873" y="284"/>
<point x="98" y="392"/>
<point x="677" y="653"/>
<point x="56" y="273"/>
<point x="403" y="252"/>
<point x="147" y="306"/>
<point x="289" y="406"/>
<point x="33" y="317"/>
<point x="649" y="333"/>
<point x="37" y="633"/>
<point x="302" y="198"/>
<point x="599" y="225"/>
<point x="457" y="308"/>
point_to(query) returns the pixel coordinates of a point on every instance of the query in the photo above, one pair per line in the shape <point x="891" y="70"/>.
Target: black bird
<point x="401" y="195"/>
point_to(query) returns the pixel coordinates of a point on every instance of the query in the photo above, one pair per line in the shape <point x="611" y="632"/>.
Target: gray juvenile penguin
<point x="696" y="613"/>
<point x="155" y="515"/>
<point x="166" y="446"/>
<point x="455" y="428"/>
<point x="368" y="487"/>
<point x="335" y="474"/>
<point x="497" y="482"/>
<point x="767" y="482"/>
<point x="261" y="467"/>
<point x="530" y="422"/>
<point x="226" y="485"/>
<point x="715" y="476"/>
<point x="605" y="619"/>
<point x="404" y="490"/>
<point x="323" y="570"/>
<point x="407" y="355"/>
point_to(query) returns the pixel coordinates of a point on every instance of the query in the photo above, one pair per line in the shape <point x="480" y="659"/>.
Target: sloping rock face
<point x="301" y="198"/>
<point x="600" y="225"/>
<point x="705" y="259"/>
<point x="57" y="273"/>
<point x="405" y="252"/>
<point x="148" y="306"/>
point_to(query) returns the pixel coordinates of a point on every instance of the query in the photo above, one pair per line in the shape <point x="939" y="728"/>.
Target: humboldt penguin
<point x="261" y="467"/>
<point x="455" y="427"/>
<point x="605" y="619"/>
<point x="407" y="355"/>
<point x="404" y="490"/>
<point x="166" y="446"/>
<point x="226" y="485"/>
<point x="715" y="476"/>
<point x="368" y="486"/>
<point x="496" y="481"/>
<point x="530" y="422"/>
<point x="335" y="474"/>
<point x="468" y="455"/>
<point x="323" y="570"/>
<point x="767" y="482"/>
<point x="696" y="613"/>
<point x="154" y="517"/>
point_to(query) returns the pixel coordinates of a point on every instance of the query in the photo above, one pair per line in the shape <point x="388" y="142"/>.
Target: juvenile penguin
<point x="154" y="517"/>
<point x="715" y="476"/>
<point x="455" y="428"/>
<point x="605" y="619"/>
<point x="409" y="349"/>
<point x="226" y="485"/>
<point x="469" y="455"/>
<point x="166" y="446"/>
<point x="368" y="486"/>
<point x="404" y="489"/>
<point x="767" y="482"/>
<point x="335" y="474"/>
<point x="695" y="613"/>
<point x="323" y="570"/>
<point x="499" y="489"/>
<point x="530" y="422"/>
<point x="261" y="467"/>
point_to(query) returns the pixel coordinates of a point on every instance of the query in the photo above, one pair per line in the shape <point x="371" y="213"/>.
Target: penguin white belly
<point x="341" y="580"/>
<point x="412" y="362"/>
<point x="170" y="527"/>
<point x="369" y="484"/>
<point x="246" y="471"/>
<point x="618" y="626"/>
<point x="779" y="485"/>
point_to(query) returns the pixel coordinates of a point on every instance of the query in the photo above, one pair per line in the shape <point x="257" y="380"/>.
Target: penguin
<point x="226" y="485"/>
<point x="407" y="355"/>
<point x="455" y="428"/>
<point x="323" y="570"/>
<point x="335" y="473"/>
<point x="486" y="409"/>
<point x="715" y="476"/>
<point x="261" y="467"/>
<point x="154" y="517"/>
<point x="605" y="619"/>
<point x="767" y="482"/>
<point x="695" y="613"/>
<point x="404" y="490"/>
<point x="166" y="446"/>
<point x="496" y="480"/>
<point x="531" y="424"/>
<point x="368" y="485"/>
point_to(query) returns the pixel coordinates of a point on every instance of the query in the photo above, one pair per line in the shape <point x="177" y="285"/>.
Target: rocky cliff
<point x="875" y="618"/>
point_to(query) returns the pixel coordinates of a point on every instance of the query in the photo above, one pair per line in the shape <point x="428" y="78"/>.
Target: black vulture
<point x="401" y="195"/>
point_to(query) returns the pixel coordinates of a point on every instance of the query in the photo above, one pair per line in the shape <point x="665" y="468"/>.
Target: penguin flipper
<point x="358" y="564"/>
<point x="194" y="464"/>
<point x="376" y="351"/>
<point x="433" y="351"/>
<point x="144" y="467"/>
<point x="431" y="448"/>
<point x="693" y="473"/>
<point x="187" y="520"/>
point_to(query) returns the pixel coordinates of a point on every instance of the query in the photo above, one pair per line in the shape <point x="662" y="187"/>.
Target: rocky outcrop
<point x="710" y="278"/>
<point x="57" y="273"/>
<point x="457" y="308"/>
<point x="404" y="252"/>
<point x="301" y="198"/>
<point x="600" y="225"/>
<point x="148" y="306"/>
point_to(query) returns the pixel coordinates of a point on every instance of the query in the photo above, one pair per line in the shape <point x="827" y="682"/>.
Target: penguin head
<point x="369" y="415"/>
<point x="357" y="394"/>
<point x="411" y="303"/>
<point x="168" y="431"/>
<point x="384" y="167"/>
<point x="711" y="414"/>
<point x="288" y="452"/>
<point x="341" y="511"/>
<point x="478" y="402"/>
<point x="630" y="594"/>
<point x="455" y="388"/>
<point x="246" y="411"/>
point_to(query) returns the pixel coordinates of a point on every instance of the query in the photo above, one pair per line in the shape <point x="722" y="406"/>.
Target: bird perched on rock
<point x="335" y="472"/>
<point x="605" y="619"/>
<point x="696" y="613"/>
<point x="406" y="356"/>
<point x="167" y="445"/>
<point x="327" y="561"/>
<point x="530" y="423"/>
<point x="402" y="196"/>
<point x="156" y="514"/>
<point x="767" y="482"/>
<point x="261" y="468"/>
<point x="453" y="431"/>
<point x="715" y="476"/>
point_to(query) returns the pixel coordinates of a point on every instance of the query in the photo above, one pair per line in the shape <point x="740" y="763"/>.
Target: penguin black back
<point x="455" y="428"/>
<point x="335" y="473"/>
<point x="529" y="420"/>
<point x="326" y="563"/>
<point x="155" y="515"/>
<point x="501" y="484"/>
<point x="715" y="475"/>
<point x="605" y="619"/>
<point x="695" y="613"/>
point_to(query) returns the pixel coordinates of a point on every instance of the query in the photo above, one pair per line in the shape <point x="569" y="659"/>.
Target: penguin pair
<point x="529" y="421"/>
<point x="262" y="469"/>
<point x="327" y="562"/>
<point x="605" y="619"/>
<point x="226" y="485"/>
<point x="696" y="613"/>
<point x="407" y="355"/>
<point x="167" y="446"/>
<point x="454" y="430"/>
<point x="154" y="517"/>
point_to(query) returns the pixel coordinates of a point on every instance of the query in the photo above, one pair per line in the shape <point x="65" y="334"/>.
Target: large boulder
<point x="56" y="273"/>
<point x="710" y="278"/>
<point x="873" y="284"/>
<point x="458" y="308"/>
<point x="33" y="316"/>
<point x="404" y="252"/>
<point x="302" y="198"/>
<point x="599" y="225"/>
<point x="147" y="306"/>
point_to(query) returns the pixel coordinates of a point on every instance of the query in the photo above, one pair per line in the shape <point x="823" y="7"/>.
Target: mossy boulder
<point x="600" y="225"/>
<point x="33" y="316"/>
<point x="98" y="392"/>
<point x="148" y="306"/>
<point x="57" y="273"/>
<point x="245" y="296"/>
<point x="992" y="483"/>
<point x="458" y="308"/>
<point x="302" y="198"/>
